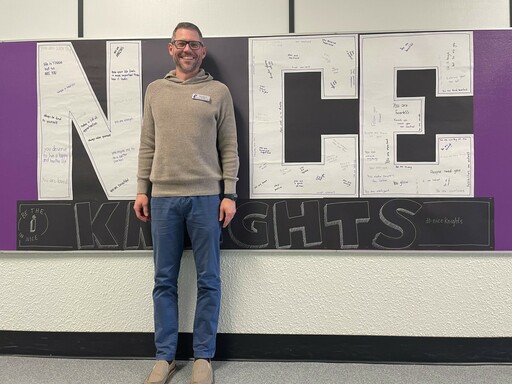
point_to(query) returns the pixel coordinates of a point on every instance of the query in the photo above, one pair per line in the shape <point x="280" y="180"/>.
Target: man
<point x="188" y="157"/>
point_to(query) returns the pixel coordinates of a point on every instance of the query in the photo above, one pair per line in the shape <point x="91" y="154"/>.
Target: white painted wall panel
<point x="31" y="19"/>
<point x="157" y="18"/>
<point x="399" y="15"/>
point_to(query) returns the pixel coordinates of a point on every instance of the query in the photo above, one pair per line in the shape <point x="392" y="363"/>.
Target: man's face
<point x="188" y="61"/>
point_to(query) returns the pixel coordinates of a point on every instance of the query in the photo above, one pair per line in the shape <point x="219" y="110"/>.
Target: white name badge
<point x="197" y="96"/>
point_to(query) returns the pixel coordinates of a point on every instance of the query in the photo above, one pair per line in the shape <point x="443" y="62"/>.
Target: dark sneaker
<point x="161" y="372"/>
<point x="202" y="372"/>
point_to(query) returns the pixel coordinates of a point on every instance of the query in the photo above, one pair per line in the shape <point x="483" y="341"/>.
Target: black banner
<point x="386" y="224"/>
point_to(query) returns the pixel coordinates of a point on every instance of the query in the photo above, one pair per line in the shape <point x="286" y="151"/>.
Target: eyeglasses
<point x="181" y="44"/>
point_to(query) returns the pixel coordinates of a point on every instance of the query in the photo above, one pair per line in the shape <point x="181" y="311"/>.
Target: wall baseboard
<point x="265" y="347"/>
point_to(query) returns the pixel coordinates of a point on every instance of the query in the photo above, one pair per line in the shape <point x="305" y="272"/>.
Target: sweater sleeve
<point x="228" y="144"/>
<point x="147" y="146"/>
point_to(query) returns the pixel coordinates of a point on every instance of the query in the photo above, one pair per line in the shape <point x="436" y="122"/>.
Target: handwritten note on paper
<point x="65" y="96"/>
<point x="270" y="58"/>
<point x="386" y="116"/>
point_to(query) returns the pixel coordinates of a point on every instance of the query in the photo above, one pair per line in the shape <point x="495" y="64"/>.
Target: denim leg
<point x="167" y="228"/>
<point x="204" y="230"/>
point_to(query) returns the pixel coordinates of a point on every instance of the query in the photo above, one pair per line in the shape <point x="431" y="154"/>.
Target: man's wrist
<point x="231" y="196"/>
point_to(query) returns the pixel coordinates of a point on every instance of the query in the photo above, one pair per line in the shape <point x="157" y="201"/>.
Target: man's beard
<point x="193" y="67"/>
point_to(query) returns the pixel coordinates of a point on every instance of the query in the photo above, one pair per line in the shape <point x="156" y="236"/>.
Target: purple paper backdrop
<point x="492" y="125"/>
<point x="18" y="143"/>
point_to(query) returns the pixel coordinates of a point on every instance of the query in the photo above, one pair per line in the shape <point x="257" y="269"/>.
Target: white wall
<point x="363" y="293"/>
<point x="348" y="293"/>
<point x="32" y="19"/>
<point x="399" y="15"/>
<point x="150" y="18"/>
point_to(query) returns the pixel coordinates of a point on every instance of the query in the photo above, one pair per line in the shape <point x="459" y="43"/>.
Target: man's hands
<point x="227" y="211"/>
<point x="141" y="207"/>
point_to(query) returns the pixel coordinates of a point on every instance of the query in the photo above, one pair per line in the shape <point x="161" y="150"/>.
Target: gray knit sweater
<point x="188" y="141"/>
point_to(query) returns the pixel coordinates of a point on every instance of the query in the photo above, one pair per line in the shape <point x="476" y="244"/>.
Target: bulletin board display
<point x="393" y="141"/>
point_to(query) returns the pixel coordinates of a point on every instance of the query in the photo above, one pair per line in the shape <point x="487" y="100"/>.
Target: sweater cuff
<point x="143" y="186"/>
<point x="229" y="186"/>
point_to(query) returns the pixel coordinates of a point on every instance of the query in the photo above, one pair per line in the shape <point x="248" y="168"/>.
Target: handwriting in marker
<point x="269" y="65"/>
<point x="406" y="47"/>
<point x="263" y="89"/>
<point x="329" y="42"/>
<point x="118" y="51"/>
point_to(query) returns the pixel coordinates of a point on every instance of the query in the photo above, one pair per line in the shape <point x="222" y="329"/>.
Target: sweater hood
<point x="201" y="77"/>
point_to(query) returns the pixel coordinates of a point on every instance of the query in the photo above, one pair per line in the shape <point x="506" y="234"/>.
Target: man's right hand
<point x="141" y="207"/>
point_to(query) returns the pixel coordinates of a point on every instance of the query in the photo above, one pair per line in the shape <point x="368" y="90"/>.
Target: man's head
<point x="187" y="50"/>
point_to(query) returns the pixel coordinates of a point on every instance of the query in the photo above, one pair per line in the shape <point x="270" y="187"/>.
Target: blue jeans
<point x="169" y="218"/>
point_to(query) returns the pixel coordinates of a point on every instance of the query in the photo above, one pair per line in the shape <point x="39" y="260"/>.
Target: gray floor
<point x="46" y="370"/>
